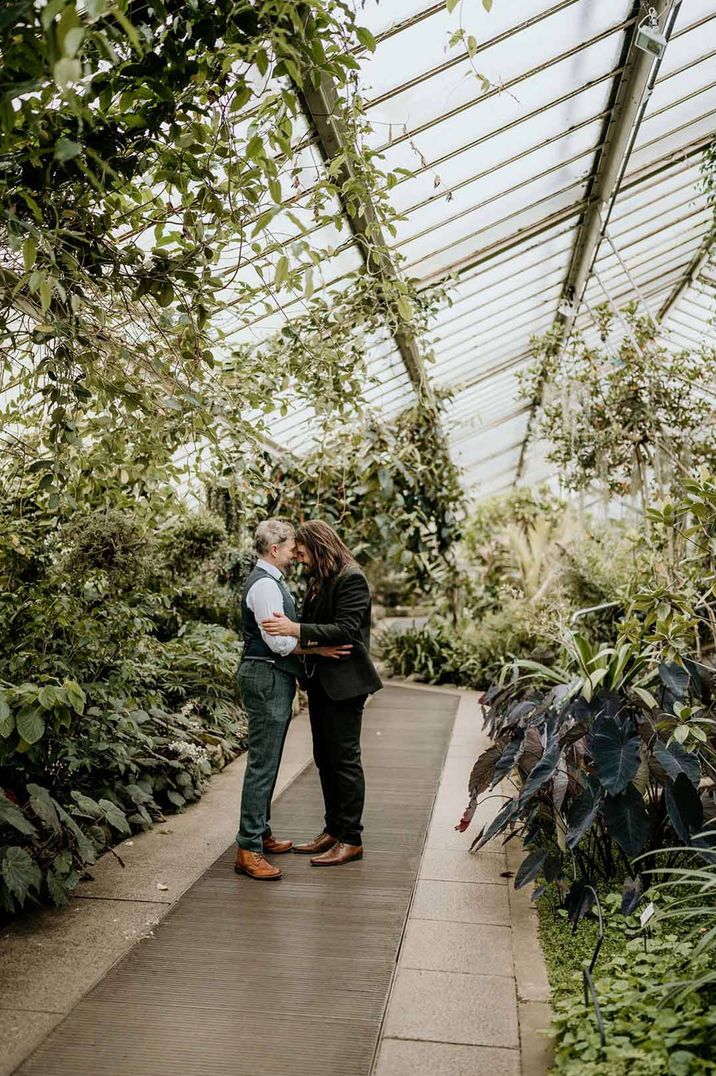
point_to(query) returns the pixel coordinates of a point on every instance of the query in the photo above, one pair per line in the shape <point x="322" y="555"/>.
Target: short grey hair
<point x="272" y="532"/>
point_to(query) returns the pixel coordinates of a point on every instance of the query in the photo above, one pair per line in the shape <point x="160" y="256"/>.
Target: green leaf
<point x="44" y="806"/>
<point x="29" y="252"/>
<point x="451" y="5"/>
<point x="85" y="847"/>
<point x="75" y="696"/>
<point x="20" y="873"/>
<point x="87" y="805"/>
<point x="30" y="724"/>
<point x="66" y="72"/>
<point x="281" y="271"/>
<point x="128" y="28"/>
<point x="66" y="149"/>
<point x="11" y="814"/>
<point x="487" y="4"/>
<point x="366" y="38"/>
<point x="7" y="718"/>
<point x="116" y="817"/>
<point x="58" y="889"/>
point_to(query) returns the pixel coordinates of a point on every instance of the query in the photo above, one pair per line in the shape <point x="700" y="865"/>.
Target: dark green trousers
<point x="267" y="696"/>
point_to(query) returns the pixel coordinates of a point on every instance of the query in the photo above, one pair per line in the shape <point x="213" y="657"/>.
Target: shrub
<point x="607" y="764"/>
<point x="469" y="654"/>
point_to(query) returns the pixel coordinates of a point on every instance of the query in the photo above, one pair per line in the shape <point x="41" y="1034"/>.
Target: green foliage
<point x="647" y="1031"/>
<point x="116" y="702"/>
<point x="622" y="411"/>
<point x="391" y="491"/>
<point x="143" y="164"/>
<point x="468" y="653"/>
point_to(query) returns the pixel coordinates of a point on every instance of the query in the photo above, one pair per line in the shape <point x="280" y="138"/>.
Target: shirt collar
<point x="270" y="568"/>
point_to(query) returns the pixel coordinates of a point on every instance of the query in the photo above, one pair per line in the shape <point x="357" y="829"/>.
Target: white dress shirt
<point x="264" y="599"/>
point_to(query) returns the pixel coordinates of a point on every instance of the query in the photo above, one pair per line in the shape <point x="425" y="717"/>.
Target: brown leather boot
<point x="254" y="864"/>
<point x="321" y="843"/>
<point x="274" y="847"/>
<point x="340" y="853"/>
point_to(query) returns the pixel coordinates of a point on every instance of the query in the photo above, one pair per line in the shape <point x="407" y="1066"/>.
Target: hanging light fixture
<point x="649" y="37"/>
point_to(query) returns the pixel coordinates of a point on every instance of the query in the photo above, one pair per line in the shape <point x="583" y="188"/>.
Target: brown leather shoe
<point x="340" y="853"/>
<point x="321" y="843"/>
<point x="254" y="864"/>
<point x="274" y="847"/>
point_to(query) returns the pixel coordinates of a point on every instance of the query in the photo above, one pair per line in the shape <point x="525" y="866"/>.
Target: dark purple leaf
<point x="483" y="770"/>
<point x="675" y="759"/>
<point x="674" y="678"/>
<point x="542" y="771"/>
<point x="578" y="901"/>
<point x="499" y="822"/>
<point x="632" y="893"/>
<point x="583" y="812"/>
<point x="615" y="750"/>
<point x="684" y="807"/>
<point x="627" y="820"/>
<point x="508" y="758"/>
<point x="530" y="867"/>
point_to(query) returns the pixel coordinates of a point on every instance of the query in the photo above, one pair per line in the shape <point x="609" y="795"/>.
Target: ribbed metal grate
<point x="265" y="979"/>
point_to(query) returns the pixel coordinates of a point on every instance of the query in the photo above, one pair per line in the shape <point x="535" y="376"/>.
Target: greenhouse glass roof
<point x="573" y="176"/>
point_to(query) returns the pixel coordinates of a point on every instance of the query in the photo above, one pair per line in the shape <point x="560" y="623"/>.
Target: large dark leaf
<point x="627" y="820"/>
<point x="675" y="679"/>
<point x="530" y="867"/>
<point x="684" y="807"/>
<point x="519" y="711"/>
<point x="508" y="758"/>
<point x="553" y="867"/>
<point x="14" y="817"/>
<point x="578" y="901"/>
<point x="676" y="759"/>
<point x="543" y="770"/>
<point x="583" y="812"/>
<point x="572" y="735"/>
<point x="483" y="770"/>
<point x="615" y="750"/>
<point x="499" y="822"/>
<point x="632" y="893"/>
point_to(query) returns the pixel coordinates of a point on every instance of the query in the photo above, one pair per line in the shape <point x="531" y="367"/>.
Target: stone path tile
<point x="400" y="1057"/>
<point x="467" y="948"/>
<point x="453" y="865"/>
<point x="446" y="1007"/>
<point x="461" y="902"/>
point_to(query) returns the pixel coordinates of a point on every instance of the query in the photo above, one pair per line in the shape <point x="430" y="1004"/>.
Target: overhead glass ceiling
<point x="502" y="180"/>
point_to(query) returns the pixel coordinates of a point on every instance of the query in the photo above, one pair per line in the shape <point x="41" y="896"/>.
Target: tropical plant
<point x="607" y="754"/>
<point x="624" y="412"/>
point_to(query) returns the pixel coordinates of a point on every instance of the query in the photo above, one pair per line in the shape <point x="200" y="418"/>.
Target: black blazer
<point x="340" y="613"/>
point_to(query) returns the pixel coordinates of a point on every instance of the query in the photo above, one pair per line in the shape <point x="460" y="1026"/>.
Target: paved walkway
<point x="406" y="962"/>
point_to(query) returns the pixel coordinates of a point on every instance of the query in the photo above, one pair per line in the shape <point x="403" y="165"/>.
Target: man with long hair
<point x="267" y="683"/>
<point x="336" y="611"/>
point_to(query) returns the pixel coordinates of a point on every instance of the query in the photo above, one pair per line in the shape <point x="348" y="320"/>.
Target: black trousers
<point x="336" y="728"/>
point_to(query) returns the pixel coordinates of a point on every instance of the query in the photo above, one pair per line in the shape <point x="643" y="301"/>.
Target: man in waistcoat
<point x="267" y="682"/>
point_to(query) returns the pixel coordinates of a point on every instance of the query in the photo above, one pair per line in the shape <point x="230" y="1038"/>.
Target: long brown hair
<point x="329" y="554"/>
